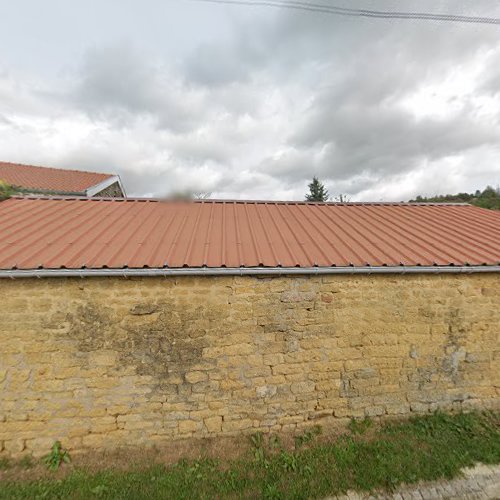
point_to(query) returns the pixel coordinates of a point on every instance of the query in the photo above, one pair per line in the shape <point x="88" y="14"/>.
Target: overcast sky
<point x="251" y="102"/>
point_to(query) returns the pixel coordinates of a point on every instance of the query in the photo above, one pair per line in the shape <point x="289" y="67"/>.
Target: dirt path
<point x="477" y="483"/>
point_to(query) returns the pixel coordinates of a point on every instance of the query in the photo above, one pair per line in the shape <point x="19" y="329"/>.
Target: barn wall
<point x="106" y="362"/>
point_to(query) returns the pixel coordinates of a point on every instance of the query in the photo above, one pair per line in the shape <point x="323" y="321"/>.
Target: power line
<point x="343" y="11"/>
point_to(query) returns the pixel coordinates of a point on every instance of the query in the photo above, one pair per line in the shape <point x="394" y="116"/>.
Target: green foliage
<point x="56" y="457"/>
<point x="317" y="191"/>
<point x="488" y="198"/>
<point x="422" y="448"/>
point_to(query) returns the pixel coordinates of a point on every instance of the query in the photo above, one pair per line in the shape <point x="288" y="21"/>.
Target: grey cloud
<point x="290" y="42"/>
<point x="388" y="140"/>
<point x="196" y="150"/>
<point x="139" y="177"/>
<point x="358" y="71"/>
<point x="491" y="83"/>
<point x="5" y="121"/>
<point x="246" y="180"/>
<point x="92" y="159"/>
<point x="120" y="83"/>
<point x="214" y="66"/>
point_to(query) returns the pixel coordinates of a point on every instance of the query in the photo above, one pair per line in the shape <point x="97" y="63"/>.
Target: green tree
<point x="317" y="191"/>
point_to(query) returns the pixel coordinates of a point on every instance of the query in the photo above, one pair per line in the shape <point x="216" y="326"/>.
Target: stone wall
<point x="113" y="191"/>
<point x="106" y="362"/>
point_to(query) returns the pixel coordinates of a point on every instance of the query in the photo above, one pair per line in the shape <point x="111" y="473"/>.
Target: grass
<point x="366" y="458"/>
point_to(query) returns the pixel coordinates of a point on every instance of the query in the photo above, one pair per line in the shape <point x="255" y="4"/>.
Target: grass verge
<point x="366" y="458"/>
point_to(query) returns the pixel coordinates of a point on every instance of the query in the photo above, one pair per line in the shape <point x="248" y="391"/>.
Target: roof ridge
<point x="235" y="201"/>
<point x="55" y="168"/>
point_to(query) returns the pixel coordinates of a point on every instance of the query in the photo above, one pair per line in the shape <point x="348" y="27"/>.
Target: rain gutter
<point x="244" y="271"/>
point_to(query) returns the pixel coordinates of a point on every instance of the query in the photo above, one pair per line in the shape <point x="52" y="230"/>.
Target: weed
<point x="289" y="461"/>
<point x="257" y="441"/>
<point x="56" y="457"/>
<point x="200" y="468"/>
<point x="231" y="480"/>
<point x="27" y="462"/>
<point x="360" y="426"/>
<point x="100" y="490"/>
<point x="5" y="463"/>
<point x="274" y="442"/>
<point x="308" y="436"/>
<point x="271" y="492"/>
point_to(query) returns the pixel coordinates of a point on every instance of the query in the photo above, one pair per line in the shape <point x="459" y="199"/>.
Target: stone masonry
<point x="108" y="362"/>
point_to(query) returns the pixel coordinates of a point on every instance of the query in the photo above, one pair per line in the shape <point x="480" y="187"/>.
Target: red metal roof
<point x="49" y="179"/>
<point x="75" y="233"/>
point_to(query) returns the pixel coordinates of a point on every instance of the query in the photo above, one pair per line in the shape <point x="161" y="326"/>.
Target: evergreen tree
<point x="317" y="191"/>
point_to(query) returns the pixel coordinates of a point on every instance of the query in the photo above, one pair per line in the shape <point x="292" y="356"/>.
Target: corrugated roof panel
<point x="388" y="239"/>
<point x="77" y="233"/>
<point x="402" y="233"/>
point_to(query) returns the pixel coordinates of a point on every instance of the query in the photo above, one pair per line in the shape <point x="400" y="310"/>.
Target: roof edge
<point x="243" y="271"/>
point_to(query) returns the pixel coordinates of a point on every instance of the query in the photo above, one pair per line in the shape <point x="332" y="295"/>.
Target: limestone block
<point x="194" y="377"/>
<point x="301" y="387"/>
<point x="213" y="424"/>
<point x="188" y="426"/>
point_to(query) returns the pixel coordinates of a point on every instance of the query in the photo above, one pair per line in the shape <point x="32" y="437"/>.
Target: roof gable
<point x="76" y="233"/>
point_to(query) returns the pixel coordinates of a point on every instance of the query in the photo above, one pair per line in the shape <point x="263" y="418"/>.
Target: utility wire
<point x="343" y="11"/>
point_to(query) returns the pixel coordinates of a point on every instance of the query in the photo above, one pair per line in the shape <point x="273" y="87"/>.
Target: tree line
<point x="488" y="198"/>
